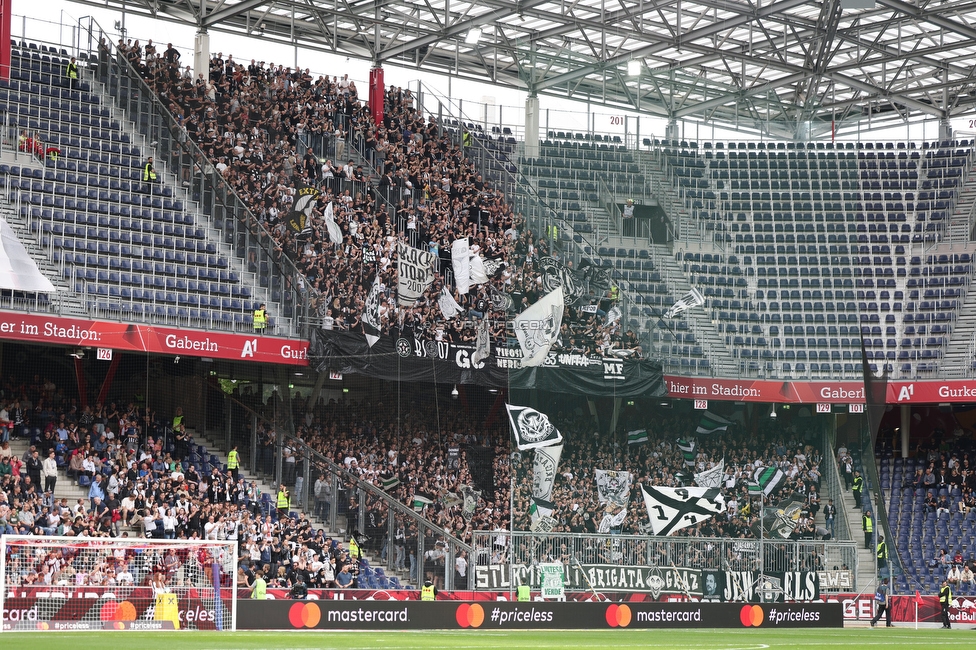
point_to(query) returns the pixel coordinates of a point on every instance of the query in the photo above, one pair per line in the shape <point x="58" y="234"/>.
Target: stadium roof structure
<point x="784" y="68"/>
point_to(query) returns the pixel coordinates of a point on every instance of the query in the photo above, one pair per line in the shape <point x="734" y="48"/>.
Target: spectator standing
<point x="71" y="72"/>
<point x="49" y="470"/>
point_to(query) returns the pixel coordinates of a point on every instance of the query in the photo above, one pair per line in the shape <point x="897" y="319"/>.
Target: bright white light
<point x="474" y="35"/>
<point x="633" y="68"/>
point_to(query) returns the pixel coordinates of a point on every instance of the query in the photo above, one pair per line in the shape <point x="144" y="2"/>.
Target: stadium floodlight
<point x="772" y="413"/>
<point x="633" y="68"/>
<point x="473" y="37"/>
<point x="119" y="583"/>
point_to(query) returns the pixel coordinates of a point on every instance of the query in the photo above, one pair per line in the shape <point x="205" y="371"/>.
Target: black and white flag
<point x="461" y="262"/>
<point x="482" y="348"/>
<point x="693" y="298"/>
<point x="538" y="326"/>
<point x="415" y="273"/>
<point x="532" y="429"/>
<point x="612" y="520"/>
<point x="448" y="305"/>
<point x="544" y="471"/>
<point x="613" y="487"/>
<point x="300" y="217"/>
<point x="471" y="497"/>
<point x="371" y="313"/>
<point x="671" y="509"/>
<point x="712" y="477"/>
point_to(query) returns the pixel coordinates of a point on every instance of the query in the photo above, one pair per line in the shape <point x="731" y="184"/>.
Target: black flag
<point x="299" y="219"/>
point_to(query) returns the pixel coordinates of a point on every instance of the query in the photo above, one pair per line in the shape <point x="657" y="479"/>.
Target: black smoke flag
<point x="300" y="217"/>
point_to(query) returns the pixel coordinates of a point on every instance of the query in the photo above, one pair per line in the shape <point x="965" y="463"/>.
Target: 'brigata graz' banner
<point x="719" y="586"/>
<point x="440" y="615"/>
<point x="404" y="357"/>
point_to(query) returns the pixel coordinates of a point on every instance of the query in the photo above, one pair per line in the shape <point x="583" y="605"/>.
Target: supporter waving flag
<point x="448" y="305"/>
<point x="687" y="448"/>
<point x="711" y="423"/>
<point x="532" y="429"/>
<point x="768" y="480"/>
<point x="538" y="327"/>
<point x="671" y="509"/>
<point x="711" y="477"/>
<point x="461" y="261"/>
<point x="693" y="298"/>
<point x="415" y="273"/>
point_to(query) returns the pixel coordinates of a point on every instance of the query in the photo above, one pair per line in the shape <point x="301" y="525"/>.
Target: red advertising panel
<point x="131" y="337"/>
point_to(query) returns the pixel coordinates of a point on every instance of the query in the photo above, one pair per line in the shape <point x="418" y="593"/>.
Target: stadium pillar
<point x="945" y="129"/>
<point x="201" y="55"/>
<point x="532" y="126"/>
<point x="906" y="428"/>
<point x="5" y="39"/>
<point x="376" y="94"/>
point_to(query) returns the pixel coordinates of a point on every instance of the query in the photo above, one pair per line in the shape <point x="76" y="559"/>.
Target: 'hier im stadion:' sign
<point x="958" y="391"/>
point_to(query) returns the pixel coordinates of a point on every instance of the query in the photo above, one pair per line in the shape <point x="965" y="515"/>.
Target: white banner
<point x="461" y="261"/>
<point x="538" y="326"/>
<point x="415" y="273"/>
<point x="448" y="305"/>
<point x="613" y="487"/>
<point x="482" y="347"/>
<point x="18" y="271"/>
<point x="671" y="509"/>
<point x="611" y="521"/>
<point x="544" y="471"/>
<point x="711" y="477"/>
<point x="335" y="234"/>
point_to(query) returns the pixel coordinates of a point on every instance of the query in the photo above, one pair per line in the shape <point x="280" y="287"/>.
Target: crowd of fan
<point x="141" y="483"/>
<point x="659" y="462"/>
<point x="254" y="122"/>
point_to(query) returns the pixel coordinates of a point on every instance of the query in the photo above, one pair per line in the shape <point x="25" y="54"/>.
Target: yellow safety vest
<point x="177" y="421"/>
<point x="868" y="525"/>
<point x="72" y="71"/>
<point x="282" y="499"/>
<point x="232" y="461"/>
<point x="614" y="292"/>
<point x="353" y="548"/>
<point x="523" y="593"/>
<point x="260" y="589"/>
<point x="858" y="483"/>
<point x="882" y="551"/>
<point x="427" y="592"/>
<point x="260" y="319"/>
<point x="945" y="595"/>
<point x="148" y="174"/>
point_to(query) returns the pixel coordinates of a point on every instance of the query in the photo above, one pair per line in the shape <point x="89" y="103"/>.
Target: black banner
<point x="496" y="615"/>
<point x="406" y="358"/>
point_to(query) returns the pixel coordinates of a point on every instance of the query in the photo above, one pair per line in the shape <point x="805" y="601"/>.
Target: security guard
<point x="149" y="174"/>
<point x="858" y="486"/>
<point x="522" y="593"/>
<point x="178" y="418"/>
<point x="71" y="72"/>
<point x="945" y="599"/>
<point x="467" y="139"/>
<point x="867" y="525"/>
<point x="882" y="552"/>
<point x="354" y="552"/>
<point x="614" y="293"/>
<point x="260" y="319"/>
<point x="428" y="591"/>
<point x="233" y="463"/>
<point x="260" y="589"/>
<point x="283" y="502"/>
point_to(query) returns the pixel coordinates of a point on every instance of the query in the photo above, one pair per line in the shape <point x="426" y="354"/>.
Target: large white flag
<point x="18" y="270"/>
<point x="671" y="509"/>
<point x="477" y="273"/>
<point x="544" y="471"/>
<point x="371" y="313"/>
<point x="448" y="305"/>
<point x="532" y="429"/>
<point x="538" y="326"/>
<point x="612" y="486"/>
<point x="482" y="347"/>
<point x="711" y="477"/>
<point x="330" y="223"/>
<point x="415" y="273"/>
<point x="693" y="298"/>
<point x="461" y="261"/>
<point x="611" y="521"/>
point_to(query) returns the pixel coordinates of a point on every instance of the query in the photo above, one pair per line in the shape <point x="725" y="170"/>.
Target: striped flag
<point x="421" y="501"/>
<point x="687" y="448"/>
<point x="637" y="436"/>
<point x="711" y="423"/>
<point x="768" y="480"/>
<point x="389" y="483"/>
<point x="693" y="298"/>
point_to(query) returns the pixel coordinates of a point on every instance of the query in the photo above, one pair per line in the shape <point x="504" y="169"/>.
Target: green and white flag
<point x="636" y="436"/>
<point x="540" y="512"/>
<point x="389" y="483"/>
<point x="687" y="448"/>
<point x="768" y="480"/>
<point x="421" y="501"/>
<point x="711" y="423"/>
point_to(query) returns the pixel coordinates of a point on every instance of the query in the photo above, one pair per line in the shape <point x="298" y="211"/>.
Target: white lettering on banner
<point x="964" y="391"/>
<point x="174" y="342"/>
<point x="250" y="347"/>
<point x="734" y="391"/>
<point x="463" y="360"/>
<point x="288" y="352"/>
<point x="75" y="333"/>
<point x="841" y="393"/>
<point x="906" y="392"/>
<point x="613" y="370"/>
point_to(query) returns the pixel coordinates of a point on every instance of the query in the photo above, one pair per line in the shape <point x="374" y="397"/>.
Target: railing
<point x="187" y="164"/>
<point x="718" y="554"/>
<point x="400" y="538"/>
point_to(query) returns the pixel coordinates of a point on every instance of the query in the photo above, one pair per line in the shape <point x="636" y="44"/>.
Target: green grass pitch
<point x="900" y="637"/>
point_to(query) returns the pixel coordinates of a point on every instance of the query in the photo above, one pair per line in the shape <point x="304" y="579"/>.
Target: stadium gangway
<point x="398" y="515"/>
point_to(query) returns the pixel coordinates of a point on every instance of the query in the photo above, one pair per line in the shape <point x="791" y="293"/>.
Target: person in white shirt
<point x="49" y="471"/>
